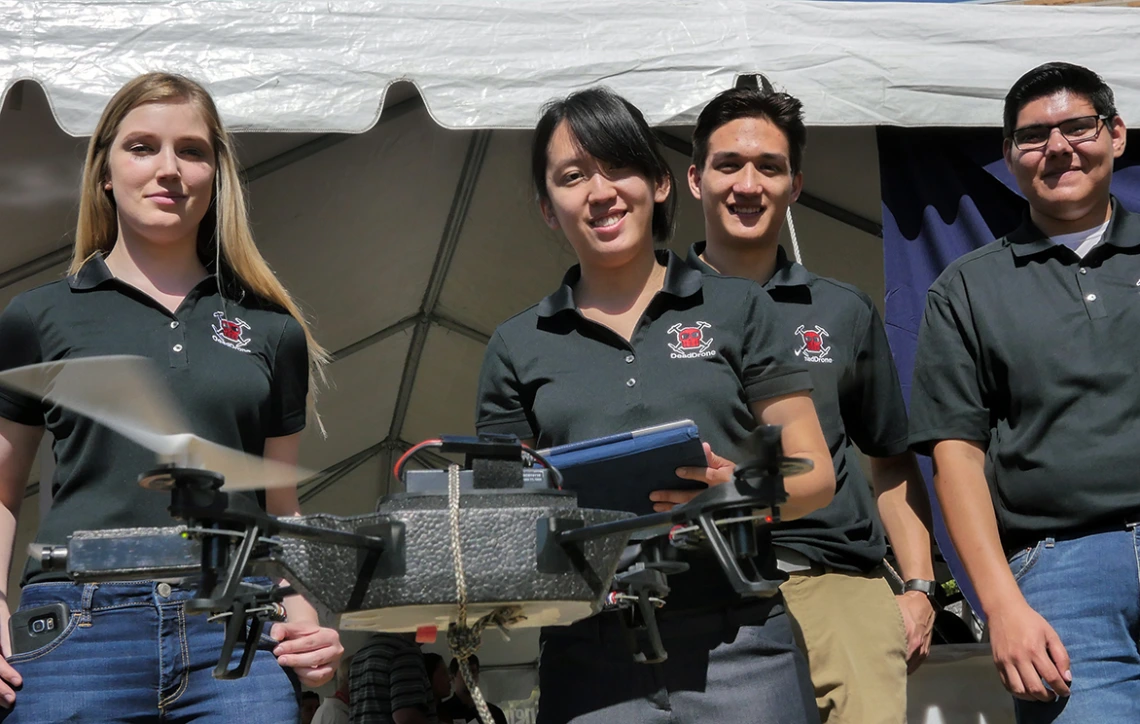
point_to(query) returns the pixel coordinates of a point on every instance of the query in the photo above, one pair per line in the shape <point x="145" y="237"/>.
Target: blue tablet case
<point x="617" y="472"/>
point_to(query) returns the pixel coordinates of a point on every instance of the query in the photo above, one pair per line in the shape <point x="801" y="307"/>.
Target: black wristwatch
<point x="917" y="584"/>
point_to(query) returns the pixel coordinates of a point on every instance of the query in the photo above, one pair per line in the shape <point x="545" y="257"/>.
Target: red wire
<point x="396" y="469"/>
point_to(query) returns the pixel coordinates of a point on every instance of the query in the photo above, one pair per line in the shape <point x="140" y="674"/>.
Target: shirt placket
<point x="176" y="342"/>
<point x="628" y="364"/>
<point x="1090" y="292"/>
<point x="631" y="363"/>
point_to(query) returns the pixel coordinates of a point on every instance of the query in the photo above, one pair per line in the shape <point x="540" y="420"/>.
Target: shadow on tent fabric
<point x="946" y="192"/>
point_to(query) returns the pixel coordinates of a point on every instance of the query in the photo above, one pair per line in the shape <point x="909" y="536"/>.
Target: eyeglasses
<point x="1075" y="130"/>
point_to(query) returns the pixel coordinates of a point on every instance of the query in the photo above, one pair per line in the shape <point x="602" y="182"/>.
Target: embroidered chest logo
<point x="692" y="341"/>
<point x="812" y="345"/>
<point x="231" y="333"/>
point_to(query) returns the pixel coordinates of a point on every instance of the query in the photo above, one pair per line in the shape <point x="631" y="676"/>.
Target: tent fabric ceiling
<point x="326" y="66"/>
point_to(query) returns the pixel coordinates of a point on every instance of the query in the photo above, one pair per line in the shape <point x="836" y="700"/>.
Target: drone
<point x="499" y="536"/>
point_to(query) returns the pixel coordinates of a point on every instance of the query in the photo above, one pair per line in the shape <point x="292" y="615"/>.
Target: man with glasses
<point x="1027" y="393"/>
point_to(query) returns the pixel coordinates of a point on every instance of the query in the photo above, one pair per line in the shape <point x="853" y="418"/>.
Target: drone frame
<point x="235" y="536"/>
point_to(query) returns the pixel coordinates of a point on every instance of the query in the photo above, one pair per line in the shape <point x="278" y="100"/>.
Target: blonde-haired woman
<point x="164" y="266"/>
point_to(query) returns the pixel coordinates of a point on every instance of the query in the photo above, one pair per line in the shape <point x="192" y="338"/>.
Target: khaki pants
<point x="852" y="632"/>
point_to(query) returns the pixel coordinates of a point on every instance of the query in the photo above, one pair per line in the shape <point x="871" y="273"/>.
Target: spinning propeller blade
<point x="125" y="394"/>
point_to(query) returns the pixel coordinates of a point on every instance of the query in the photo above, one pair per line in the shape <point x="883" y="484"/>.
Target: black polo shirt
<point x="1032" y="351"/>
<point x="835" y="331"/>
<point x="704" y="349"/>
<point x="239" y="372"/>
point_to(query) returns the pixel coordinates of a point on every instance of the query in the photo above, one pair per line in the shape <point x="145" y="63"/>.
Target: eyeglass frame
<point x="1101" y="123"/>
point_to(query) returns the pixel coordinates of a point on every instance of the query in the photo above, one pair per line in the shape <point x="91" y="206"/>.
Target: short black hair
<point x="432" y="662"/>
<point x="783" y="110"/>
<point x="472" y="661"/>
<point x="1050" y="78"/>
<point x="612" y="130"/>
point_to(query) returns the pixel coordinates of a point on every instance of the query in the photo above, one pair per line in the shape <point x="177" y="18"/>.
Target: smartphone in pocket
<point x="34" y="628"/>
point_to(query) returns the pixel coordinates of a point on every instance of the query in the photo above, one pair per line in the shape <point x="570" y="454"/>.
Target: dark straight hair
<point x="1050" y="78"/>
<point x="612" y="130"/>
<point x="784" y="111"/>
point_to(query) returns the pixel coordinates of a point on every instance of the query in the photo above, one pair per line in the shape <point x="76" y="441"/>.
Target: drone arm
<point x="802" y="437"/>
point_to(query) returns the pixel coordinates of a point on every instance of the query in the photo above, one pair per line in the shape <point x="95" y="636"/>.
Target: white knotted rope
<point x="464" y="640"/>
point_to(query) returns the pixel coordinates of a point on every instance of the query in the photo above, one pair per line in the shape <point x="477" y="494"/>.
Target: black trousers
<point x="736" y="664"/>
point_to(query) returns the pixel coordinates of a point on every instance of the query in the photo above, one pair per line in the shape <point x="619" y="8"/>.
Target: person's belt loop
<point x="1050" y="542"/>
<point x="85" y="606"/>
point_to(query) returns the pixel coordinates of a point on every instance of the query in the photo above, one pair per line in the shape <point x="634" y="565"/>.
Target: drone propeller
<point x="125" y="393"/>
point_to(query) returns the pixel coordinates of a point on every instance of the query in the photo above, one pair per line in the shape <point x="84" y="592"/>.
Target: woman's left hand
<point x="719" y="471"/>
<point x="309" y="649"/>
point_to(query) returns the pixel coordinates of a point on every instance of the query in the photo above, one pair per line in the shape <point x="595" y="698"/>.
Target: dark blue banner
<point x="947" y="192"/>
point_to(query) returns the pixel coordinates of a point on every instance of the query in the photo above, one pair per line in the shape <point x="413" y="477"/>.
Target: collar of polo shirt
<point x="787" y="274"/>
<point x="93" y="273"/>
<point x="1123" y="232"/>
<point x="681" y="280"/>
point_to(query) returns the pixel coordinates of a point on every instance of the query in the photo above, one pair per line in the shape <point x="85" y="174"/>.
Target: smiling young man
<point x="747" y="150"/>
<point x="1025" y="391"/>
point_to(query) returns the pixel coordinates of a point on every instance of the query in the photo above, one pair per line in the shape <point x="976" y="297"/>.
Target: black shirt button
<point x="177" y="348"/>
<point x="1091" y="297"/>
<point x="630" y="382"/>
<point x="1084" y="271"/>
<point x="174" y="325"/>
<point x="629" y="358"/>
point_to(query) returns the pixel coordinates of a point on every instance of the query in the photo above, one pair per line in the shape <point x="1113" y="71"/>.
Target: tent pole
<point x="454" y="325"/>
<point x="375" y="337"/>
<point x="460" y="205"/>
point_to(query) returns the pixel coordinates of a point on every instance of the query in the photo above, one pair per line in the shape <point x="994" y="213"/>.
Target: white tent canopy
<point x="325" y="66"/>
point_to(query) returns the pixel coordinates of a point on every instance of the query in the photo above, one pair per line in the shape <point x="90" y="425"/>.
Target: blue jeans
<point x="130" y="653"/>
<point x="1088" y="589"/>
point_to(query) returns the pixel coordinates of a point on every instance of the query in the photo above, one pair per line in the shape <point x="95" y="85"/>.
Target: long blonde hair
<point x="226" y="223"/>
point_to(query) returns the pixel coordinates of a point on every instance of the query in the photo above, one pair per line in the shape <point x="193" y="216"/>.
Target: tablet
<point x="618" y="472"/>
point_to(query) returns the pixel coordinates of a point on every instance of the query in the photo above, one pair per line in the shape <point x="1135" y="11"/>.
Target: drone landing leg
<point x="257" y="608"/>
<point x="214" y="553"/>
<point x="735" y="556"/>
<point x="642" y="632"/>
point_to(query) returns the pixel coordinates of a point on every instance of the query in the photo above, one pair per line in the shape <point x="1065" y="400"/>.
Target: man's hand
<point x="918" y="618"/>
<point x="719" y="471"/>
<point x="1026" y="650"/>
<point x="310" y="650"/>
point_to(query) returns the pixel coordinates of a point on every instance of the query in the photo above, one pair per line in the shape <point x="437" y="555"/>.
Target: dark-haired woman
<point x="603" y="354"/>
